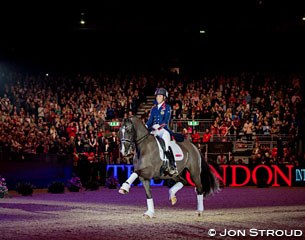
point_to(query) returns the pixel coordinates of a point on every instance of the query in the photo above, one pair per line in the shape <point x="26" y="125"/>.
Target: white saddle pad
<point x="175" y="148"/>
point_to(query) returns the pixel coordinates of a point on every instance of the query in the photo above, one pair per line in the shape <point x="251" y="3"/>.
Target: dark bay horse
<point x="147" y="164"/>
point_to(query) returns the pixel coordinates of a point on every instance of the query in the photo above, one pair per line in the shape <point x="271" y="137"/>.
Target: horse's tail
<point x="209" y="182"/>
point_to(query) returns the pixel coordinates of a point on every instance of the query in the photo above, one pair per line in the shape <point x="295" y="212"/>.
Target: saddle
<point x="175" y="148"/>
<point x="168" y="159"/>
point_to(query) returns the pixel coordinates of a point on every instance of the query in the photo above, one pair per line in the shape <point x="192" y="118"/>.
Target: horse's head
<point x="127" y="135"/>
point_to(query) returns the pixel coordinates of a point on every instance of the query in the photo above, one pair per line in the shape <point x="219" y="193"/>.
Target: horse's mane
<point x="138" y="124"/>
<point x="135" y="120"/>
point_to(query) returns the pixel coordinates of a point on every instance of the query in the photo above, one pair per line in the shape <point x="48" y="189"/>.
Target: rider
<point x="158" y="121"/>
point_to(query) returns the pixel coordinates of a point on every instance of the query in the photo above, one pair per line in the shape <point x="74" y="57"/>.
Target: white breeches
<point x="164" y="135"/>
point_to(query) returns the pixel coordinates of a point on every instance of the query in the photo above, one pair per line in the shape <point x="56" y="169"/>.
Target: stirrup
<point x="173" y="172"/>
<point x="164" y="168"/>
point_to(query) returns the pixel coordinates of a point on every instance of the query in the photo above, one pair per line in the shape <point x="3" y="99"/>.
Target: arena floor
<point x="106" y="214"/>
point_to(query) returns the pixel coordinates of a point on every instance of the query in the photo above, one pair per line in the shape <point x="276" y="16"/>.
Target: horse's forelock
<point x="127" y="124"/>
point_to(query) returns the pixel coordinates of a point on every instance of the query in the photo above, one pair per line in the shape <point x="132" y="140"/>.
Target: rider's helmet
<point x="161" y="91"/>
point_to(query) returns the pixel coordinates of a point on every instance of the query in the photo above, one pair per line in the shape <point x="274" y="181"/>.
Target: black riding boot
<point x="172" y="163"/>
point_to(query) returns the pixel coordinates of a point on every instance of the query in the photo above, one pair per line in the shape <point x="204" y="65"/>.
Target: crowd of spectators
<point x="247" y="103"/>
<point x="63" y="114"/>
<point x="66" y="114"/>
<point x="241" y="105"/>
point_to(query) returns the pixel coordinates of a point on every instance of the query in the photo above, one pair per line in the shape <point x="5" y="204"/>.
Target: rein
<point x="141" y="139"/>
<point x="136" y="141"/>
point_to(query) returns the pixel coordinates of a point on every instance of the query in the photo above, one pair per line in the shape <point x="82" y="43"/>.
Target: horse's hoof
<point x="199" y="213"/>
<point x="122" y="191"/>
<point x="173" y="200"/>
<point x="149" y="214"/>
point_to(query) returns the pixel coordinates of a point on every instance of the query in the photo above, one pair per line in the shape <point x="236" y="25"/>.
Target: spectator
<point x="215" y="129"/>
<point x="79" y="145"/>
<point x="221" y="159"/>
<point x="207" y="136"/>
<point x="266" y="128"/>
<point x="195" y="137"/>
<point x="92" y="144"/>
<point x="186" y="134"/>
<point x="280" y="149"/>
<point x="106" y="151"/>
<point x="248" y="130"/>
<point x="223" y="129"/>
<point x="237" y="124"/>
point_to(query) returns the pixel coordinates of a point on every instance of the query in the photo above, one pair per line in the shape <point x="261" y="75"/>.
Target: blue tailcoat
<point x="161" y="116"/>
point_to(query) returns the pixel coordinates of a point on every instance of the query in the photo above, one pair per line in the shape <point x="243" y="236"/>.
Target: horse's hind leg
<point x="199" y="189"/>
<point x="150" y="203"/>
<point x="174" y="189"/>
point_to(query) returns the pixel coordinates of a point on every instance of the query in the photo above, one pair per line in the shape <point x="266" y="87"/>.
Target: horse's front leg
<point x="124" y="189"/>
<point x="150" y="203"/>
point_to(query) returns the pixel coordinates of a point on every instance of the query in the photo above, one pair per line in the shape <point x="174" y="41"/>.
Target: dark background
<point x="149" y="35"/>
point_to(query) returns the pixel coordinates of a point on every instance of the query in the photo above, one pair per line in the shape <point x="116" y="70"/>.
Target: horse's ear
<point x="130" y="118"/>
<point x="125" y="120"/>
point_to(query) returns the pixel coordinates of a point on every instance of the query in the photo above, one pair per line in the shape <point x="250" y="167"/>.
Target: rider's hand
<point x="156" y="126"/>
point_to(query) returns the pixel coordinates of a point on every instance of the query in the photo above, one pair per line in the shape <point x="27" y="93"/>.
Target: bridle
<point x="131" y="141"/>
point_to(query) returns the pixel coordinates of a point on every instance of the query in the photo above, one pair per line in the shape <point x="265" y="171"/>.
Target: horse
<point x="133" y="134"/>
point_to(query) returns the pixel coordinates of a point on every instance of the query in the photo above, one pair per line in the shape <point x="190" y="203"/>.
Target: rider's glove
<point x="156" y="126"/>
